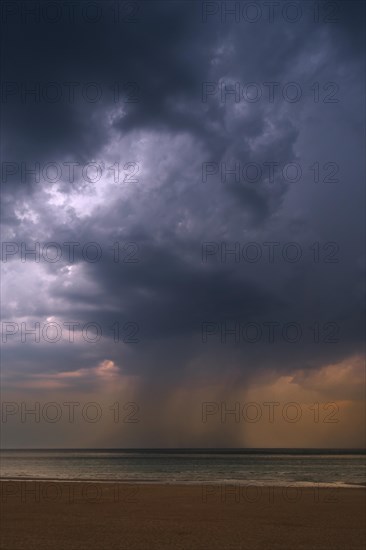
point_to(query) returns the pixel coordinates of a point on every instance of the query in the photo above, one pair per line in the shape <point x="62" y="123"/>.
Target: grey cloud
<point x="170" y="212"/>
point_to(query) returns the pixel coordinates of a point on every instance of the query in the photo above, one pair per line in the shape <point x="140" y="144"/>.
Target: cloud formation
<point x="207" y="137"/>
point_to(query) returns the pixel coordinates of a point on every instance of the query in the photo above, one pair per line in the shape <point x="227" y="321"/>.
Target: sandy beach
<point x="100" y="516"/>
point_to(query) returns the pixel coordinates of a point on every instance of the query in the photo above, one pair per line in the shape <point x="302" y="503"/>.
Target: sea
<point x="266" y="467"/>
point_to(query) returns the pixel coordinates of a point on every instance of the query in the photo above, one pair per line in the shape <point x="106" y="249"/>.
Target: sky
<point x="190" y="179"/>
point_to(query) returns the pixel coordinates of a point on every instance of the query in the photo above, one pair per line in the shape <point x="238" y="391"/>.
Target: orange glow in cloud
<point x="328" y="400"/>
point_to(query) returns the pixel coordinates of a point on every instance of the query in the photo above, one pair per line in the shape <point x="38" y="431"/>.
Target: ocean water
<point x="255" y="466"/>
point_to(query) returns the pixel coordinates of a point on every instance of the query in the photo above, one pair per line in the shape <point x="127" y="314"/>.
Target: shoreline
<point x="183" y="483"/>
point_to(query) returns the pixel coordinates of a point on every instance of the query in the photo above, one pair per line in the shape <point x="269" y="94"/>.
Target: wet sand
<point x="98" y="516"/>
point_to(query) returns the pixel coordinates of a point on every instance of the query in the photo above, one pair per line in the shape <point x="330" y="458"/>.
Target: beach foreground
<point x="99" y="516"/>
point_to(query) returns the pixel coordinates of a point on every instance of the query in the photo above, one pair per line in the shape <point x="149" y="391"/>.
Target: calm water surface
<point x="260" y="467"/>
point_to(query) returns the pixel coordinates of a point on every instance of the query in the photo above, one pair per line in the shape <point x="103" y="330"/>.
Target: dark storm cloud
<point x="169" y="53"/>
<point x="352" y="23"/>
<point x="152" y="53"/>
